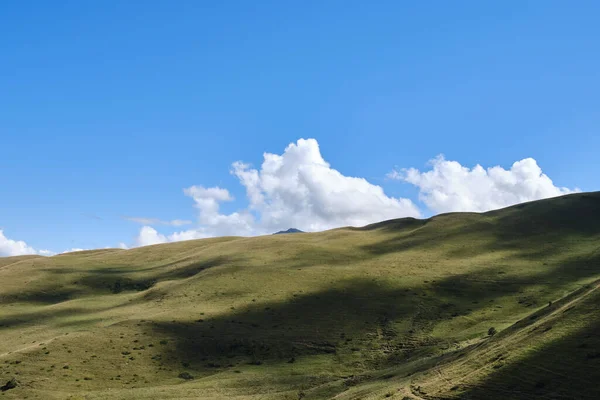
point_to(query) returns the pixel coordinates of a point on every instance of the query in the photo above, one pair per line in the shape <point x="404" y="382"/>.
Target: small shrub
<point x="11" y="384"/>
<point x="492" y="331"/>
<point x="185" y="375"/>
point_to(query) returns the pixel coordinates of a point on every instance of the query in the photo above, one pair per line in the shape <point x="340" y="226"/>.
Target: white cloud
<point x="156" y="221"/>
<point x="10" y="247"/>
<point x="148" y="236"/>
<point x="297" y="189"/>
<point x="73" y="250"/>
<point x="449" y="186"/>
<point x="211" y="221"/>
<point x="187" y="235"/>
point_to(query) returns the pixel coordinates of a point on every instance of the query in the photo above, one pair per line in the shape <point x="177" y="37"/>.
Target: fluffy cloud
<point x="300" y="189"/>
<point x="449" y="186"/>
<point x="156" y="221"/>
<point x="212" y="222"/>
<point x="148" y="236"/>
<point x="10" y="247"/>
<point x="296" y="189"/>
<point x="73" y="250"/>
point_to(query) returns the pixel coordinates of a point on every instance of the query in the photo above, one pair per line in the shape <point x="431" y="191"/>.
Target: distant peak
<point x="291" y="230"/>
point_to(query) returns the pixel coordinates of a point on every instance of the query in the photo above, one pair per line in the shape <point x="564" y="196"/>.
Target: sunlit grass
<point x="353" y="313"/>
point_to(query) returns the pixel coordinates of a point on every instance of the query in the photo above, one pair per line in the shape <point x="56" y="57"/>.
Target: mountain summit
<point x="291" y="230"/>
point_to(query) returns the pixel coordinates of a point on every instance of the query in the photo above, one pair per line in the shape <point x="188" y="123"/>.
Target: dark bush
<point x="9" y="385"/>
<point x="185" y="375"/>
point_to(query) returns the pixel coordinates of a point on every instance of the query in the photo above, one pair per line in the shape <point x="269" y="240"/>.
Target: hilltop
<point x="400" y="309"/>
<point x="291" y="230"/>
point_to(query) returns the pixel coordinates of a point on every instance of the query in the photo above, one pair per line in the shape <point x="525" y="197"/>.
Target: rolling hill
<point x="400" y="309"/>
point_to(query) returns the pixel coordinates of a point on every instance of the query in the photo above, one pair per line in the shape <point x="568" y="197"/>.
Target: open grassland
<point x="399" y="309"/>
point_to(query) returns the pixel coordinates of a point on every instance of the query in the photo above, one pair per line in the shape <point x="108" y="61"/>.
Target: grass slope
<point x="398" y="309"/>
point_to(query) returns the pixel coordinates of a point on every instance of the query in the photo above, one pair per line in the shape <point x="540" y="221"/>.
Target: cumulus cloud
<point x="296" y="189"/>
<point x="156" y="221"/>
<point x="450" y="186"/>
<point x="73" y="250"/>
<point x="148" y="235"/>
<point x="300" y="189"/>
<point x="212" y="222"/>
<point x="10" y="247"/>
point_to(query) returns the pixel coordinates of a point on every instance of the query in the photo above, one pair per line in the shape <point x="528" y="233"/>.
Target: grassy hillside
<point x="399" y="309"/>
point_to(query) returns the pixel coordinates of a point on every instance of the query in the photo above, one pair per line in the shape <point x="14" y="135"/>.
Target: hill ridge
<point x="389" y="307"/>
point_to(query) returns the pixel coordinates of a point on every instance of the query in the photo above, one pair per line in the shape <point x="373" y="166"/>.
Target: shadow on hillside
<point x="546" y="229"/>
<point x="480" y="288"/>
<point x="533" y="230"/>
<point x="356" y="315"/>
<point x="118" y="280"/>
<point x="565" y="368"/>
<point x="426" y="234"/>
<point x="50" y="295"/>
<point x="575" y="214"/>
<point x="395" y="225"/>
<point x="40" y="317"/>
<point x="113" y="280"/>
<point x="317" y="323"/>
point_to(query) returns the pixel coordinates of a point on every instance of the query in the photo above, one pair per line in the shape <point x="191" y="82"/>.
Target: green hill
<point x="398" y="309"/>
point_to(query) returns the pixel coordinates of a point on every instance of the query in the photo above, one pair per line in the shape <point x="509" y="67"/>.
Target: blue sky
<point x="111" y="109"/>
